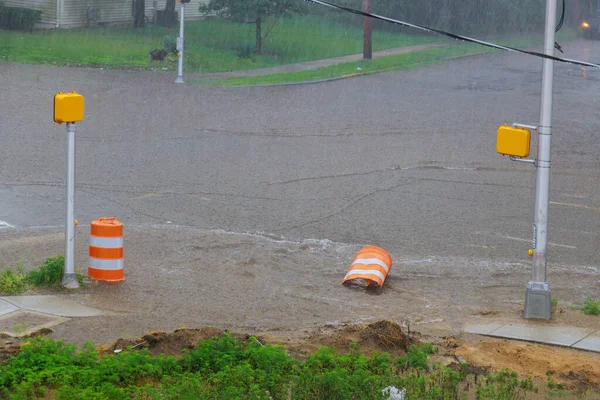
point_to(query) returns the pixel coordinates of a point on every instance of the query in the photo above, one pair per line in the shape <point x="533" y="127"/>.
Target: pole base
<point x="70" y="281"/>
<point x="179" y="79"/>
<point x="538" y="301"/>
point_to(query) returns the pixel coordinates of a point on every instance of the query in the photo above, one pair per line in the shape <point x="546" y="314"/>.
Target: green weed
<point x="12" y="283"/>
<point x="227" y="368"/>
<point x="48" y="275"/>
<point x="417" y="357"/>
<point x="590" y="307"/>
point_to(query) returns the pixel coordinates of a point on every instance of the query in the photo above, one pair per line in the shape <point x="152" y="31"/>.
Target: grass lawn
<point x="210" y="44"/>
<point x="390" y="63"/>
<point x="363" y="67"/>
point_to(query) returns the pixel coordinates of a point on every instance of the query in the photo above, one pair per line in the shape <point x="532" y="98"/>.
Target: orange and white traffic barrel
<point x="370" y="267"/>
<point x="106" y="250"/>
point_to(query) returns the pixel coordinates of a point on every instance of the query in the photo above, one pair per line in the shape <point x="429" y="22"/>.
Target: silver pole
<point x="69" y="277"/>
<point x="180" y="44"/>
<point x="537" y="297"/>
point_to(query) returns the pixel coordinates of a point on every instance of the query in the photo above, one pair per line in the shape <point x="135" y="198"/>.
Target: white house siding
<point x="48" y="8"/>
<point x="75" y="12"/>
<point x="192" y="9"/>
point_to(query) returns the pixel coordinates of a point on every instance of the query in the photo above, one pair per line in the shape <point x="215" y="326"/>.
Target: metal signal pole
<point x="537" y="297"/>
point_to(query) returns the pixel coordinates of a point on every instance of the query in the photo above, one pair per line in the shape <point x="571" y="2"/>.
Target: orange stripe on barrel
<point x="106" y="254"/>
<point x="106" y="275"/>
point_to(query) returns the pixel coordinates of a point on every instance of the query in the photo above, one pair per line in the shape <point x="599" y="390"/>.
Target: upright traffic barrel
<point x="371" y="265"/>
<point x="106" y="250"/>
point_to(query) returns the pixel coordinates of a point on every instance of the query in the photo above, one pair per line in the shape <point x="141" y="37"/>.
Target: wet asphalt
<point x="404" y="160"/>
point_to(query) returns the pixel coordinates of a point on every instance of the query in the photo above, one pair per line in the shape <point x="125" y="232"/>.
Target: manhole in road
<point x="24" y="323"/>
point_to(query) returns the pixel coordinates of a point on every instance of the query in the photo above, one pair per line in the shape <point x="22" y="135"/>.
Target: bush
<point x="170" y="44"/>
<point x="17" y="18"/>
<point x="49" y="274"/>
<point x="246" y="50"/>
<point x="417" y="357"/>
<point x="12" y="283"/>
<point x="591" y="307"/>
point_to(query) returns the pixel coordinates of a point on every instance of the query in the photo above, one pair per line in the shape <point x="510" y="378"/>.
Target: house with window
<point x="76" y="13"/>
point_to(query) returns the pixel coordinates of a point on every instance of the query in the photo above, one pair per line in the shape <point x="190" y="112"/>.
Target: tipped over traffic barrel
<point x="106" y="250"/>
<point x="370" y="267"/>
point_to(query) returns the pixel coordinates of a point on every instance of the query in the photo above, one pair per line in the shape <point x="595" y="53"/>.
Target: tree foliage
<point x="255" y="11"/>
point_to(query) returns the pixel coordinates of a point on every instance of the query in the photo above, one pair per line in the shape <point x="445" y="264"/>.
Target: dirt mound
<point x="571" y="367"/>
<point x="8" y="349"/>
<point x="167" y="343"/>
<point x="376" y="337"/>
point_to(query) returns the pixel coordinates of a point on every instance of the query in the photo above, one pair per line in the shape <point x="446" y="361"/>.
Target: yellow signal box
<point x="514" y="142"/>
<point x="68" y="107"/>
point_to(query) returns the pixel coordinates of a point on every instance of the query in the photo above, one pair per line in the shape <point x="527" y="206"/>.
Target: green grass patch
<point x="227" y="368"/>
<point x="590" y="307"/>
<point x="363" y="67"/>
<point x="383" y="64"/>
<point x="48" y="275"/>
<point x="212" y="45"/>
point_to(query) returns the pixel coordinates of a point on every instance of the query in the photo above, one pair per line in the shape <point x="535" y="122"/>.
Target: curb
<point x="338" y="78"/>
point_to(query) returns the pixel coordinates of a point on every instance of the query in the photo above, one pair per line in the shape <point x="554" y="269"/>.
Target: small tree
<point x="256" y="11"/>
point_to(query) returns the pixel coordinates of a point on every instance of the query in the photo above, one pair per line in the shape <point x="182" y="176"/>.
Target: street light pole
<point x="180" y="43"/>
<point x="537" y="297"/>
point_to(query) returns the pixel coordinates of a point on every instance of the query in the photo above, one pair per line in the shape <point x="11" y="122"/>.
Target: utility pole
<point x="537" y="297"/>
<point x="368" y="47"/>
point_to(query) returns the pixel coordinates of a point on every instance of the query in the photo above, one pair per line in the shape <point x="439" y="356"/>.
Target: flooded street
<point x="245" y="206"/>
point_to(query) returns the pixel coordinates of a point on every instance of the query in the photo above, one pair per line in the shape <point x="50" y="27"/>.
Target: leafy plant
<point x="417" y="357"/>
<point x="245" y="50"/>
<point x="48" y="274"/>
<point x="590" y="307"/>
<point x="170" y="44"/>
<point x="228" y="368"/>
<point x="12" y="283"/>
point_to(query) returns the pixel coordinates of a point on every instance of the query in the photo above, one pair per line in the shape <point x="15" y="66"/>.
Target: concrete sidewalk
<point x="310" y="65"/>
<point x="539" y="332"/>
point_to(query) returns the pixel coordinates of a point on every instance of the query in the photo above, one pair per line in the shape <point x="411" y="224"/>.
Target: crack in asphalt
<point x="344" y="208"/>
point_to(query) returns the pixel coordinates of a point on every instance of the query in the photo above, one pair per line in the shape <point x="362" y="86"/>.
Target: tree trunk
<point x="139" y="13"/>
<point x="167" y="17"/>
<point x="259" y="35"/>
<point x="170" y="6"/>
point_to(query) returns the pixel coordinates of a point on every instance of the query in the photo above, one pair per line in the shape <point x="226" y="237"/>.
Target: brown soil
<point x="376" y="337"/>
<point x="8" y="347"/>
<point x="573" y="368"/>
<point x="166" y="343"/>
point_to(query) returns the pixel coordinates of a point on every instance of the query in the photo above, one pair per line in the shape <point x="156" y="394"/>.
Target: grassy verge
<point x="363" y="67"/>
<point x="227" y="368"/>
<point x="47" y="275"/>
<point x="211" y="45"/>
<point x="390" y="63"/>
